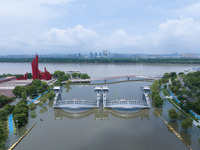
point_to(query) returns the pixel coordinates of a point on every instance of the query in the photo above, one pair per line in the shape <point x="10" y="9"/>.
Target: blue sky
<point x="72" y="26"/>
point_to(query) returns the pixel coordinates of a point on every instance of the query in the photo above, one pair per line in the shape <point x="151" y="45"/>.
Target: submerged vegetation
<point x="155" y="94"/>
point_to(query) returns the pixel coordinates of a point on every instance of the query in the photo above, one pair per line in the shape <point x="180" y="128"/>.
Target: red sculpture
<point x="24" y="77"/>
<point x="37" y="74"/>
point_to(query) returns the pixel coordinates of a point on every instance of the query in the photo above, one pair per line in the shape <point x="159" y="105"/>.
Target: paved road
<point x="16" y="101"/>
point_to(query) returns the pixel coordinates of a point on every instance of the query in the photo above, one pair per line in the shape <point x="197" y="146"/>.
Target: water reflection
<point x="174" y="125"/>
<point x="43" y="110"/>
<point x="101" y="114"/>
<point x="186" y="136"/>
<point x="157" y="110"/>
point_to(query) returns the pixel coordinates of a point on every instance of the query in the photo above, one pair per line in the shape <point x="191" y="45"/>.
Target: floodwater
<point x="99" y="70"/>
<point x="97" y="129"/>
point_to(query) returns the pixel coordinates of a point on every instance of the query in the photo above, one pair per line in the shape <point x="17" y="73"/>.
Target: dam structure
<point x="101" y="101"/>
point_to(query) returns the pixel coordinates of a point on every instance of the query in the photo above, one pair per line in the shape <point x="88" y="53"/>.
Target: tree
<point x="44" y="84"/>
<point x="40" y="89"/>
<point x="51" y="95"/>
<point x="22" y="119"/>
<point x="8" y="108"/>
<point x="58" y="73"/>
<point x="33" y="114"/>
<point x="36" y="82"/>
<point x="3" y="115"/>
<point x="187" y="123"/>
<point x="44" y="100"/>
<point x="173" y="115"/>
<point x="74" y="74"/>
<point x="30" y="76"/>
<point x="85" y="76"/>
<point x="31" y="90"/>
<point x="158" y="101"/>
<point x="32" y="106"/>
<point x="40" y="103"/>
<point x="24" y="95"/>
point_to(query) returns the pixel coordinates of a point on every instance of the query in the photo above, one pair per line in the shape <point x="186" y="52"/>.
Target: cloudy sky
<point x="72" y="26"/>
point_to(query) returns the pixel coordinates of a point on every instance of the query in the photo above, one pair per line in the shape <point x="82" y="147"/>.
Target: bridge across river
<point x="102" y="102"/>
<point x="126" y="77"/>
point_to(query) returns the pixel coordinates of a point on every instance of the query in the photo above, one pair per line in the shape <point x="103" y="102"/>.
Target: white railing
<point x="126" y="102"/>
<point x="76" y="102"/>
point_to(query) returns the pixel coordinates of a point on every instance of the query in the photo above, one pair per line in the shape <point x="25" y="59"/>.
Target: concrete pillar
<point x="104" y="99"/>
<point x="98" y="98"/>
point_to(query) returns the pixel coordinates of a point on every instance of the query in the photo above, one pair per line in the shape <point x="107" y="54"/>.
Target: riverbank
<point x="108" y="60"/>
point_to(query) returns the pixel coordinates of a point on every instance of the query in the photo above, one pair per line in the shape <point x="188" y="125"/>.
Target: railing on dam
<point x="74" y="103"/>
<point x="126" y="102"/>
<point x="102" y="101"/>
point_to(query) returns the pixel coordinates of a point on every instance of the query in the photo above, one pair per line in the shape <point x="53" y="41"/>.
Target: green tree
<point x="44" y="100"/>
<point x="158" y="101"/>
<point x="74" y="74"/>
<point x="8" y="108"/>
<point x="36" y="82"/>
<point x="24" y="95"/>
<point x="30" y="76"/>
<point x="22" y="119"/>
<point x="31" y="90"/>
<point x="40" y="89"/>
<point x="85" y="76"/>
<point x="40" y="103"/>
<point x="3" y="115"/>
<point x="33" y="114"/>
<point x="32" y="106"/>
<point x="44" y="84"/>
<point x="187" y="123"/>
<point x="58" y="73"/>
<point x="51" y="95"/>
<point x="173" y="115"/>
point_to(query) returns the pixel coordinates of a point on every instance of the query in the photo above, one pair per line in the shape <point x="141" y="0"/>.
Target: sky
<point x="83" y="26"/>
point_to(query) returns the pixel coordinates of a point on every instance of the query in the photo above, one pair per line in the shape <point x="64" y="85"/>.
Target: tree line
<point x="108" y="60"/>
<point x="61" y="76"/>
<point x="16" y="75"/>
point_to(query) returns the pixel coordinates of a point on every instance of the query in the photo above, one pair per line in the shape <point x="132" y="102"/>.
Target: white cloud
<point x="117" y="40"/>
<point x="191" y="10"/>
<point x="24" y="8"/>
<point x="179" y="34"/>
<point x="70" y="37"/>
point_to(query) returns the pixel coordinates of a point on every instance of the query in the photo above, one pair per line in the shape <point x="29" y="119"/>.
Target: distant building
<point x="100" y="54"/>
<point x="79" y="55"/>
<point x="91" y="55"/>
<point x="95" y="55"/>
<point x="105" y="53"/>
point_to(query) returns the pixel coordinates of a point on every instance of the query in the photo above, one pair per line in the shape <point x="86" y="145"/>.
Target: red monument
<point x="37" y="74"/>
<point x="24" y="77"/>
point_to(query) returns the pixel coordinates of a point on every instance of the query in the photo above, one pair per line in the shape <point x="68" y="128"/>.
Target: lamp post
<point x="17" y="126"/>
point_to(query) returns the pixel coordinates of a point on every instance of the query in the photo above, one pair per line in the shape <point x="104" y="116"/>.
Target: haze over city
<point x="77" y="26"/>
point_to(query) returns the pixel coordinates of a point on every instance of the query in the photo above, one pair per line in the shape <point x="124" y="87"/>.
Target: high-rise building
<point x="105" y="53"/>
<point x="91" y="55"/>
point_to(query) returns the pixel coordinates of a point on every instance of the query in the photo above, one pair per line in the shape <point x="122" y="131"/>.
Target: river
<point x="105" y="129"/>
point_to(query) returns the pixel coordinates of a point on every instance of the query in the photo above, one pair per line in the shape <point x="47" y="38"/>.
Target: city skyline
<point x="74" y="26"/>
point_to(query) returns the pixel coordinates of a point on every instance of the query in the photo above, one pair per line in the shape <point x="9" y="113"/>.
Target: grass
<point x="44" y="96"/>
<point x="175" y="102"/>
<point x="165" y="92"/>
<point x="184" y="112"/>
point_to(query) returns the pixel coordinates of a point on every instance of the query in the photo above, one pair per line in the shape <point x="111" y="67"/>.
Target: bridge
<point x="126" y="77"/>
<point x="102" y="102"/>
